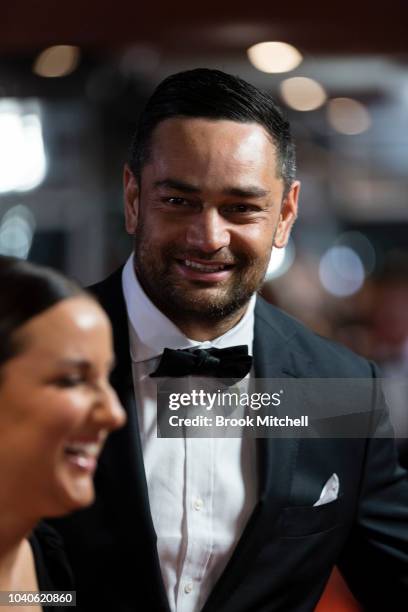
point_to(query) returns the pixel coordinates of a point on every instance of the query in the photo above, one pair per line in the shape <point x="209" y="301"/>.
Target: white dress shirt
<point x="202" y="491"/>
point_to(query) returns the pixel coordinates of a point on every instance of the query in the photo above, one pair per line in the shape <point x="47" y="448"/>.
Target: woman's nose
<point x="111" y="414"/>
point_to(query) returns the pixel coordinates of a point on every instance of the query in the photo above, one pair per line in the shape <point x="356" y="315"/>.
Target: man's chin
<point x="208" y="303"/>
<point x="182" y="299"/>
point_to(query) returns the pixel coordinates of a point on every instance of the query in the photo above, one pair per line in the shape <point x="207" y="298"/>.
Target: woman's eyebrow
<point x="74" y="362"/>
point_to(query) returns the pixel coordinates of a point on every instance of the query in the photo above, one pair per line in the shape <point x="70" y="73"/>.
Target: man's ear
<point x="287" y="216"/>
<point x="131" y="196"/>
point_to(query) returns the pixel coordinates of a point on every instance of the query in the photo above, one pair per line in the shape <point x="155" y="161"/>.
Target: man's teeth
<point x="90" y="449"/>
<point x="203" y="267"/>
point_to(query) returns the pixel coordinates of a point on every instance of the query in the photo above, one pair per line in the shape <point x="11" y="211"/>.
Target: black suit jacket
<point x="288" y="547"/>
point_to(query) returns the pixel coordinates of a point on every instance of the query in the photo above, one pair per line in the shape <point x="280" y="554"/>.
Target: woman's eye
<point x="68" y="381"/>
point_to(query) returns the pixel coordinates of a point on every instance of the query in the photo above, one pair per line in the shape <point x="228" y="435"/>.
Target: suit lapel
<point x="275" y="356"/>
<point x="121" y="464"/>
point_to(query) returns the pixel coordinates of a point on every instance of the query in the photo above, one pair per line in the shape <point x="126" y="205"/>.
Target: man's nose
<point x="208" y="231"/>
<point x="109" y="413"/>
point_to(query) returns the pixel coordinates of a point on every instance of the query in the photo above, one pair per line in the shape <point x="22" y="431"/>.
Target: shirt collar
<point x="152" y="331"/>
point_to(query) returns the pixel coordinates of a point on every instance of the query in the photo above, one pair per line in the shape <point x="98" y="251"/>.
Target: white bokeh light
<point x="302" y="94"/>
<point x="16" y="232"/>
<point x="23" y="162"/>
<point x="341" y="271"/>
<point x="348" y="116"/>
<point x="281" y="260"/>
<point x="274" y="57"/>
<point x="57" y="61"/>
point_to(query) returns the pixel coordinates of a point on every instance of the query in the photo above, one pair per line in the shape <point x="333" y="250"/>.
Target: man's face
<point x="205" y="216"/>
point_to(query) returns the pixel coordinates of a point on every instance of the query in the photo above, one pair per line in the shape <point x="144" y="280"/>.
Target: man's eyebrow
<point x="251" y="191"/>
<point x="178" y="185"/>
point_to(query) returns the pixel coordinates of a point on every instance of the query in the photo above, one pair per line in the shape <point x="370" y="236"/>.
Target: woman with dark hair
<point x="56" y="409"/>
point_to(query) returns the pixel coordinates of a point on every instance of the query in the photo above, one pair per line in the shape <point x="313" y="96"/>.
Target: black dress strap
<point x="51" y="564"/>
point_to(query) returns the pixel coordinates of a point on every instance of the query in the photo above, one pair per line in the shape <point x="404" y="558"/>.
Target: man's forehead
<point x="183" y="127"/>
<point x="219" y="141"/>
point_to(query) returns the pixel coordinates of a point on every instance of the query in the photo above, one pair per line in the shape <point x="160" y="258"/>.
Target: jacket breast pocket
<point x="298" y="521"/>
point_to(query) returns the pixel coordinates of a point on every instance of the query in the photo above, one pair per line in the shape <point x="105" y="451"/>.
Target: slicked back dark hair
<point x="27" y="290"/>
<point x="212" y="94"/>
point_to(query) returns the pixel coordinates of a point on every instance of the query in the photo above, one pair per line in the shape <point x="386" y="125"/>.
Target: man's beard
<point x="182" y="300"/>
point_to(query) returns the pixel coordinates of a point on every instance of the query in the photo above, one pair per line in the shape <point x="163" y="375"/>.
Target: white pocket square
<point x="330" y="491"/>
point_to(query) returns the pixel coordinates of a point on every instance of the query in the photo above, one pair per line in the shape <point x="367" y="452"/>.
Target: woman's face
<point x="57" y="407"/>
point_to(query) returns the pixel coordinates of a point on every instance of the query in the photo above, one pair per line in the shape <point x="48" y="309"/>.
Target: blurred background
<point x="74" y="77"/>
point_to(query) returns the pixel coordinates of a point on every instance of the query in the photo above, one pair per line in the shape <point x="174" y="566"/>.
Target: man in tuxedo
<point x="226" y="524"/>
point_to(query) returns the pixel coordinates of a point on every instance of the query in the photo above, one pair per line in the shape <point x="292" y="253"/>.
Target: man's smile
<point x="203" y="270"/>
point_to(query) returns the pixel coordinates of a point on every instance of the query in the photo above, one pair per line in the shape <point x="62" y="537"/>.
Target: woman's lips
<point x="83" y="462"/>
<point x="83" y="455"/>
<point x="207" y="271"/>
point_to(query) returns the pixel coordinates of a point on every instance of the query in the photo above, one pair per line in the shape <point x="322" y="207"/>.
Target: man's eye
<point x="241" y="209"/>
<point x="177" y="201"/>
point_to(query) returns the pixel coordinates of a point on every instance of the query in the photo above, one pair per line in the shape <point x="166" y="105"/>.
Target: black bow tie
<point x="232" y="363"/>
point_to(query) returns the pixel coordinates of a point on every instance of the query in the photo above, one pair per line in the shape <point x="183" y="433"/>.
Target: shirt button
<point x="188" y="587"/>
<point x="198" y="504"/>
